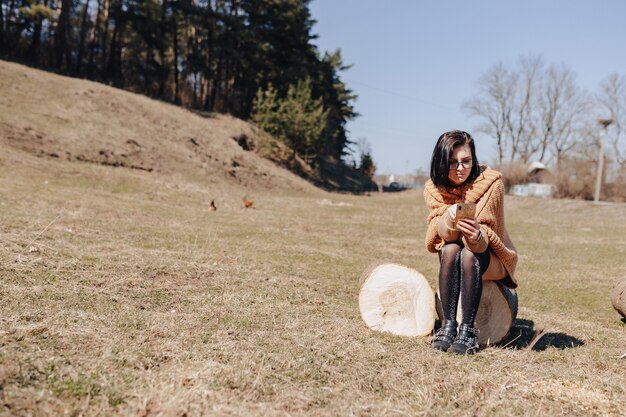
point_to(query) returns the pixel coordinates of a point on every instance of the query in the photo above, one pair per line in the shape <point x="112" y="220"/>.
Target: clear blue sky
<point x="415" y="62"/>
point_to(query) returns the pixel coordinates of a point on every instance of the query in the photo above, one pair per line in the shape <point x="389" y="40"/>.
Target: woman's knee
<point x="451" y="248"/>
<point x="450" y="254"/>
<point x="470" y="259"/>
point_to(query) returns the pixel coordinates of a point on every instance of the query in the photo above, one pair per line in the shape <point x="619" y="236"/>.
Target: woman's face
<point x="458" y="173"/>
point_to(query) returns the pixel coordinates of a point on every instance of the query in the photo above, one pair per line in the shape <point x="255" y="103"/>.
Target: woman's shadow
<point x="523" y="335"/>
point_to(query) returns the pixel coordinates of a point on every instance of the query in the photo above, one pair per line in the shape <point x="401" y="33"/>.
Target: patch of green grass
<point x="79" y="386"/>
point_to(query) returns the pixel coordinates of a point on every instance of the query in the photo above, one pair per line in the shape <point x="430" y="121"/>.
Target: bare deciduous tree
<point x="522" y="127"/>
<point x="612" y="99"/>
<point x="531" y="111"/>
<point x="506" y="103"/>
<point x="494" y="104"/>
<point x="562" y="110"/>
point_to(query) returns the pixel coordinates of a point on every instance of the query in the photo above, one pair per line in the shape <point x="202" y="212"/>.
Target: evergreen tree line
<point x="228" y="56"/>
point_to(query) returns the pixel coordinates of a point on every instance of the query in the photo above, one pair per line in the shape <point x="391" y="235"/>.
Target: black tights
<point x="461" y="271"/>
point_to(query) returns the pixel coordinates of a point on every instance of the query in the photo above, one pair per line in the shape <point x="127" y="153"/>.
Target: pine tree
<point x="297" y="119"/>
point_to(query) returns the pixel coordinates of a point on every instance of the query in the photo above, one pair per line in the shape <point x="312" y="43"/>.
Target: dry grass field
<point x="121" y="293"/>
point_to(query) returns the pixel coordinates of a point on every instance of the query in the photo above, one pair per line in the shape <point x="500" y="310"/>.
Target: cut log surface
<point x="496" y="312"/>
<point x="396" y="299"/>
<point x="618" y="297"/>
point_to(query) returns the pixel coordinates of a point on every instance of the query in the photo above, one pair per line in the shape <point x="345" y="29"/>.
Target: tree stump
<point x="618" y="297"/>
<point x="396" y="299"/>
<point x="496" y="312"/>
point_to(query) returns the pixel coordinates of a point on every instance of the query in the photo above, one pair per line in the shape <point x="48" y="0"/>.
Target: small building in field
<point x="536" y="184"/>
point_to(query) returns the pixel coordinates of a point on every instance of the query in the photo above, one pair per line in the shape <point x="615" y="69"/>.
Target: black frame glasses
<point x="464" y="164"/>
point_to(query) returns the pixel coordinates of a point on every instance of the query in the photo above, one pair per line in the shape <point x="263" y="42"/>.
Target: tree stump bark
<point x="396" y="299"/>
<point x="496" y="312"/>
<point x="618" y="297"/>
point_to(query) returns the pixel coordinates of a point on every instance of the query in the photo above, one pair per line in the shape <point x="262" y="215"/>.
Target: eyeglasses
<point x="463" y="164"/>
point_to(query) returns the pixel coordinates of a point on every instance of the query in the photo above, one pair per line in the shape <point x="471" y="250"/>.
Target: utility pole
<point x="604" y="123"/>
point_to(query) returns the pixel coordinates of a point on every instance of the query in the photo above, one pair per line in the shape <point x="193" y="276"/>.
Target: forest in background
<point x="253" y="59"/>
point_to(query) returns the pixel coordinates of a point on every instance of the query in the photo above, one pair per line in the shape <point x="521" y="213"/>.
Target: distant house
<point x="536" y="184"/>
<point x="394" y="182"/>
<point x="538" y="173"/>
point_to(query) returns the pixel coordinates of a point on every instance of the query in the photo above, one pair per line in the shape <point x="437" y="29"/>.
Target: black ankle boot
<point x="445" y="335"/>
<point x="465" y="342"/>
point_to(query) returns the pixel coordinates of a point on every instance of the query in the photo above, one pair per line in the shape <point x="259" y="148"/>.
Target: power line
<point x="383" y="129"/>
<point x="404" y="96"/>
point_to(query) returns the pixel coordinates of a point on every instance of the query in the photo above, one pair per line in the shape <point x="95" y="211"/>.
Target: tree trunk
<point x="496" y="312"/>
<point x="104" y="37"/>
<point x="205" y="95"/>
<point x="618" y="297"/>
<point x="117" y="62"/>
<point x="33" y="50"/>
<point x="112" y="60"/>
<point x="214" y="95"/>
<point x="1" y="25"/>
<point x="190" y="37"/>
<point x="210" y="75"/>
<point x="164" y="70"/>
<point x="500" y="151"/>
<point x="60" y="37"/>
<point x="396" y="299"/>
<point x="109" y="57"/>
<point x="9" y="40"/>
<point x="83" y="34"/>
<point x="94" y="32"/>
<point x="175" y="36"/>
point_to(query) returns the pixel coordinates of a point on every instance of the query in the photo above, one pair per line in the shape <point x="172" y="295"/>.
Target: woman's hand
<point x="470" y="229"/>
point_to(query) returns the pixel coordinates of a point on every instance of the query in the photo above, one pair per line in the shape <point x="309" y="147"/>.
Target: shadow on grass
<point x="523" y="334"/>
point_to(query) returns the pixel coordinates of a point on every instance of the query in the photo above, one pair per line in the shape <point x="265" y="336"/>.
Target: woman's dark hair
<point x="440" y="162"/>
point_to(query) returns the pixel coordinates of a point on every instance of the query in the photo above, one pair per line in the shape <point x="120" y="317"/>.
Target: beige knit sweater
<point x="487" y="191"/>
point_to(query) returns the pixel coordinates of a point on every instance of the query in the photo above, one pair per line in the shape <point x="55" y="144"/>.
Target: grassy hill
<point x="121" y="293"/>
<point x="77" y="120"/>
<point x="68" y="119"/>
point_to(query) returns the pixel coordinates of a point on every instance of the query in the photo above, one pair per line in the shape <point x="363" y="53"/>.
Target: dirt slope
<point x="67" y="119"/>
